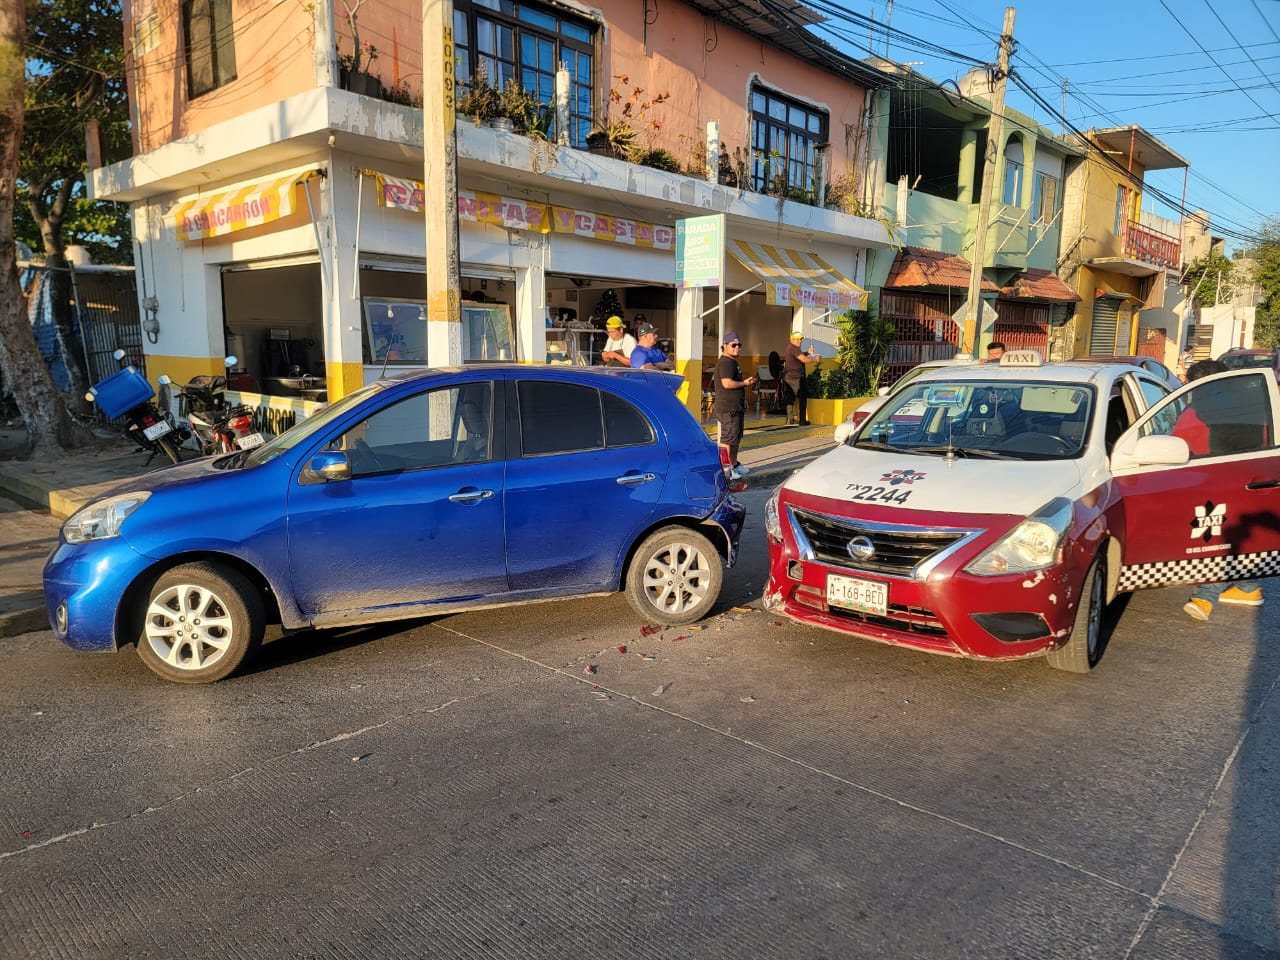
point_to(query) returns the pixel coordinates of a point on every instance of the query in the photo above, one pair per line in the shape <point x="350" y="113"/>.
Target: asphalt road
<point x="465" y="787"/>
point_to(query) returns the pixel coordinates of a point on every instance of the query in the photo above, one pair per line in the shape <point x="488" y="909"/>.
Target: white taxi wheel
<point x="1083" y="648"/>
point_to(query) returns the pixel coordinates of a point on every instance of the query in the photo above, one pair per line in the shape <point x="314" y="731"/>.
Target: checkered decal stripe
<point x="1200" y="570"/>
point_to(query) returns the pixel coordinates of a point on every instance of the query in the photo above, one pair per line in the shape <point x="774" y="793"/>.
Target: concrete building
<point x="278" y="177"/>
<point x="1124" y="261"/>
<point x="929" y="186"/>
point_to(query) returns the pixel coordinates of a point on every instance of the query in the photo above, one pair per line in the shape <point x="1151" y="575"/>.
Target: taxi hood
<point x="919" y="481"/>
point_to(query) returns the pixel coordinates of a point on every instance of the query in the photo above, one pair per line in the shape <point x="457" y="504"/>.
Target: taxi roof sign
<point x="1022" y="358"/>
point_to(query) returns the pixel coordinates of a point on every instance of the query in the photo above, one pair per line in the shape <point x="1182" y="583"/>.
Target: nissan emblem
<point x="861" y="548"/>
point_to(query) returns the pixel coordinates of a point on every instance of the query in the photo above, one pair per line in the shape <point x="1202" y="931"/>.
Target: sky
<point x="1202" y="76"/>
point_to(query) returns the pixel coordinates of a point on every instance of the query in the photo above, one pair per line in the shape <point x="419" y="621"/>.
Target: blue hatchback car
<point x="426" y="493"/>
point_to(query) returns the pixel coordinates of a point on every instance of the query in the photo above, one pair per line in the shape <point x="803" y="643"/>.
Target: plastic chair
<point x="766" y="386"/>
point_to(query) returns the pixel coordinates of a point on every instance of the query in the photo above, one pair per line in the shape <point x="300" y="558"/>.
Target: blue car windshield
<point x="305" y="429"/>
<point x="996" y="419"/>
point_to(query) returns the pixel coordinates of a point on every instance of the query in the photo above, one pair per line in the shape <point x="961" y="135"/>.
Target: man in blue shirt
<point x="646" y="355"/>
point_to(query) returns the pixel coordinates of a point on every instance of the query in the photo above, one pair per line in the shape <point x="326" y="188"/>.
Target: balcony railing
<point x="1151" y="246"/>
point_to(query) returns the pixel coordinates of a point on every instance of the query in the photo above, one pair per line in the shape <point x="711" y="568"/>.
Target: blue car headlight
<point x="102" y="518"/>
<point x="1033" y="544"/>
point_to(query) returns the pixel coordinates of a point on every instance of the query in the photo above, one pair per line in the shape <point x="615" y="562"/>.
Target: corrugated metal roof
<point x="920" y="267"/>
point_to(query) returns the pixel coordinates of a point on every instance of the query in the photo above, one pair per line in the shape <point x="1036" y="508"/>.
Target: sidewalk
<point x="36" y="496"/>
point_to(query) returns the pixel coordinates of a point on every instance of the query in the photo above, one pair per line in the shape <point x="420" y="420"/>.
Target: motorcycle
<point x="126" y="393"/>
<point x="215" y="426"/>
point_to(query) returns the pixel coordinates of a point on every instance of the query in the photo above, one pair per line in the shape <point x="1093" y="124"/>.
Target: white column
<point x="688" y="358"/>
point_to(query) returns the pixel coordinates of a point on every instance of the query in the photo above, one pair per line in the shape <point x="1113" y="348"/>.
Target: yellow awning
<point x="795" y="279"/>
<point x="248" y="206"/>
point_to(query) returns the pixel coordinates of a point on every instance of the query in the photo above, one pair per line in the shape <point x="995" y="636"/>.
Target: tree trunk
<point x="49" y="426"/>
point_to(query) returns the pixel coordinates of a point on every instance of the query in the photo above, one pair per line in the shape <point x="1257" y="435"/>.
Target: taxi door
<point x="1209" y="510"/>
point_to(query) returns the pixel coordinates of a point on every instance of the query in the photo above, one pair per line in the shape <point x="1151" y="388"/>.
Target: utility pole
<point x="440" y="175"/>
<point x="972" y="309"/>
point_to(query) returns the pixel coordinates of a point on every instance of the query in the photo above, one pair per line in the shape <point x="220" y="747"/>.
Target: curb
<point x="23" y="621"/>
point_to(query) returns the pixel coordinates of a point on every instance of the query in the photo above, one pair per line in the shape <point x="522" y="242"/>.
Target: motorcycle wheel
<point x="169" y="448"/>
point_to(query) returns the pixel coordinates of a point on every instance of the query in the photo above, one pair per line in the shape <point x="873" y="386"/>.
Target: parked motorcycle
<point x="215" y="426"/>
<point x="126" y="393"/>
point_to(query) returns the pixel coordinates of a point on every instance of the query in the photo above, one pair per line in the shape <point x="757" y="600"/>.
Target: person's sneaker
<point x="802" y="423"/>
<point x="1246" y="598"/>
<point x="1197" y="609"/>
<point x="734" y="474"/>
<point x="740" y="470"/>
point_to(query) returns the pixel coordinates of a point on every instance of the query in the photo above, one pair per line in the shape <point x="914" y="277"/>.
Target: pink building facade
<point x="277" y="182"/>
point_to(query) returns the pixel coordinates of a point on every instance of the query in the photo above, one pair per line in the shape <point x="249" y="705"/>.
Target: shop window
<point x="487" y="332"/>
<point x="210" y="45"/>
<point x="1044" y="198"/>
<point x="395" y="331"/>
<point x="527" y="42"/>
<point x="435" y="428"/>
<point x="785" y="137"/>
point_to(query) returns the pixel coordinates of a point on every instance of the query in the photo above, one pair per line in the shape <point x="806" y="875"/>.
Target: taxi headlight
<point x="102" y="519"/>
<point x="1033" y="544"/>
<point x="772" y="524"/>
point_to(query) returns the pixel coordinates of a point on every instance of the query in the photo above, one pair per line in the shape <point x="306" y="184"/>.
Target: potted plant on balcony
<point x="352" y="67"/>
<point x="516" y="106"/>
<point x="627" y="127"/>
<point x="481" y="101"/>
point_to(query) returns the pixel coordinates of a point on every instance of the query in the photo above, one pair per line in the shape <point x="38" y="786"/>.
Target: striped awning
<point x="256" y="203"/>
<point x="796" y="279"/>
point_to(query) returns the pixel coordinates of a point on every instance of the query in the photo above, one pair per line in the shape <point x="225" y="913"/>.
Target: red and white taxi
<point x="1000" y="522"/>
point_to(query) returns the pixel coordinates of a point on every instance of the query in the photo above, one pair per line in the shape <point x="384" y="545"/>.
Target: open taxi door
<point x="1199" y="478"/>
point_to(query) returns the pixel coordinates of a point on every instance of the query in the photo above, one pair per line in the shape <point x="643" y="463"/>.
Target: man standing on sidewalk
<point x="731" y="401"/>
<point x="794" y="375"/>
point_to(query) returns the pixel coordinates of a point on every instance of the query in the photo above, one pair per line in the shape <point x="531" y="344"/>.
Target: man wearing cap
<point x="617" y="348"/>
<point x="731" y="401"/>
<point x="646" y="354"/>
<point x="793" y="374"/>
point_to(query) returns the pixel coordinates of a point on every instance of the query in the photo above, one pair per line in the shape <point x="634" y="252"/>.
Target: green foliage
<point x="861" y="351"/>
<point x="1266" y="274"/>
<point x="660" y="159"/>
<point x="75" y="73"/>
<point x="1212" y="278"/>
<point x="481" y="101"/>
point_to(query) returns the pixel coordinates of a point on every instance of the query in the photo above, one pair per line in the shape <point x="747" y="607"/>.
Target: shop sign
<point x="700" y="251"/>
<point x="516" y="214"/>
<point x="231" y="210"/>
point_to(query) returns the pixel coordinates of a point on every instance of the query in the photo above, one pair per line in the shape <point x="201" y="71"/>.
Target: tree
<point x="1266" y="274"/>
<point x="48" y="424"/>
<point x="1212" y="278"/>
<point x="75" y="89"/>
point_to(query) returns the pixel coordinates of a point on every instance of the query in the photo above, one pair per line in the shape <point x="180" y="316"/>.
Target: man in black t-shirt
<point x="731" y="400"/>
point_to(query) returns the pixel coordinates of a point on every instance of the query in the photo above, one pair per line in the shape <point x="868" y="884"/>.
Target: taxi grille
<point x="914" y="620"/>
<point x="898" y="550"/>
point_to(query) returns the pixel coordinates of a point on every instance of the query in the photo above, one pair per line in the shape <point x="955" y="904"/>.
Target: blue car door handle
<point x="637" y="478"/>
<point x="470" y="496"/>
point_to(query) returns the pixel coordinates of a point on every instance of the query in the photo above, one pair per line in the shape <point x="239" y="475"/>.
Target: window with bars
<point x="528" y="42"/>
<point x="785" y="139"/>
<point x="210" y="49"/>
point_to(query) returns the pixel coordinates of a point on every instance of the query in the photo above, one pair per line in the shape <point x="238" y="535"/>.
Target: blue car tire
<point x="674" y="577"/>
<point x="201" y="623"/>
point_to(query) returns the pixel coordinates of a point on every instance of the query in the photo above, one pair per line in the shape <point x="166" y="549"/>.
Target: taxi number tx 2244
<point x="1000" y="517"/>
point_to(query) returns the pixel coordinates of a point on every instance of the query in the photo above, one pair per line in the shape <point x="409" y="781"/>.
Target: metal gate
<point x="1022" y="326"/>
<point x="923" y="330"/>
<point x="1102" y="329"/>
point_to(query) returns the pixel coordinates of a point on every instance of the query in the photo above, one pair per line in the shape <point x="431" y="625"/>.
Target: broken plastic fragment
<point x="746" y="699"/>
<point x="622" y="648"/>
<point x="661" y="690"/>
<point x="649" y="631"/>
<point x="589" y="669"/>
<point x="679" y="638"/>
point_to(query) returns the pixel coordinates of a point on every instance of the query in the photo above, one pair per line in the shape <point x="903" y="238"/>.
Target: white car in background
<point x="849" y="425"/>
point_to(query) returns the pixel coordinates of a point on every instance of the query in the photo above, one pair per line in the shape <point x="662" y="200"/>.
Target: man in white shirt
<point x="617" y="348"/>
